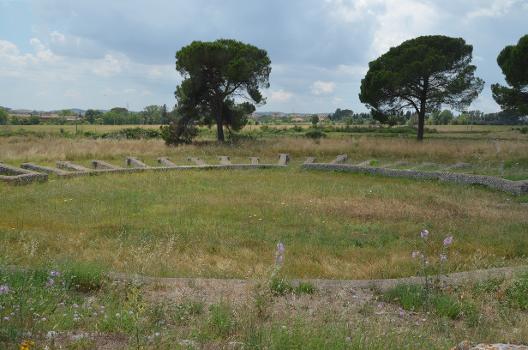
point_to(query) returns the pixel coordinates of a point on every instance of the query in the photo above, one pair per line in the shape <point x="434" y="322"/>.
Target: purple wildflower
<point x="448" y="241"/>
<point x="4" y="289"/>
<point x="424" y="234"/>
<point x="54" y="273"/>
<point x="443" y="257"/>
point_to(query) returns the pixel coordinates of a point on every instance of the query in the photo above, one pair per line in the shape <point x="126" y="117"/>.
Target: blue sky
<point x="99" y="54"/>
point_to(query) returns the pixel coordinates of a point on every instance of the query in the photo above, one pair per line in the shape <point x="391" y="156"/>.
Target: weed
<point x="84" y="276"/>
<point x="304" y="288"/>
<point x="411" y="297"/>
<point x="517" y="293"/>
<point x="221" y="319"/>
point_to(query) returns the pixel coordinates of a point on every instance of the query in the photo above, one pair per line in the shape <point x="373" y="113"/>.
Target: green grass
<point x="227" y="223"/>
<point x="120" y="312"/>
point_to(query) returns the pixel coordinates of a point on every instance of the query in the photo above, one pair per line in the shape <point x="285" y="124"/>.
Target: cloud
<point x="323" y="87"/>
<point x="280" y="95"/>
<point x="109" y="66"/>
<point x="320" y="49"/>
<point x="495" y="8"/>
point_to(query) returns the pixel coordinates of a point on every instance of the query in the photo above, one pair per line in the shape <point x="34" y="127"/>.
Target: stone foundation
<point x="515" y="187"/>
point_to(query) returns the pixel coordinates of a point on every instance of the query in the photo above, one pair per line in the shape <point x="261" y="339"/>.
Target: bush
<point x="297" y="128"/>
<point x="315" y="134"/>
<point x="179" y="132"/>
<point x="132" y="134"/>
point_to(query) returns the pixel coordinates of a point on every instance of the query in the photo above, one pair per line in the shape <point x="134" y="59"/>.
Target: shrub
<point x="297" y="128"/>
<point x="132" y="134"/>
<point x="315" y="134"/>
<point x="179" y="132"/>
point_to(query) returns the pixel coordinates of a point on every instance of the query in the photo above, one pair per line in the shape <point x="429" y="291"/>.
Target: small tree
<point x="513" y="61"/>
<point x="315" y="120"/>
<point x="421" y="74"/>
<point x="92" y="115"/>
<point x="3" y="117"/>
<point x="216" y="75"/>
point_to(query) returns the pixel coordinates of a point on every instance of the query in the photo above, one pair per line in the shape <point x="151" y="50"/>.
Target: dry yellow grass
<point x="20" y="149"/>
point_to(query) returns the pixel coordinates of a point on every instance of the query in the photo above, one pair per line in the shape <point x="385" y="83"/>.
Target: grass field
<point x="226" y="224"/>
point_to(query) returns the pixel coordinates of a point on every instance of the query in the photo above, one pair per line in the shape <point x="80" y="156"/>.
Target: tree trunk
<point x="421" y="112"/>
<point x="421" y="122"/>
<point x="219" y="129"/>
<point x="219" y="122"/>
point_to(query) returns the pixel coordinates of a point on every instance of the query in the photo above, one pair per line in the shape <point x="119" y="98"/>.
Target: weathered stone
<point x="18" y="176"/>
<point x="309" y="160"/>
<point x="515" y="187"/>
<point x="61" y="164"/>
<point x="135" y="163"/>
<point x="99" y="164"/>
<point x="466" y="345"/>
<point x="44" y="169"/>
<point x="224" y="160"/>
<point x="365" y="163"/>
<point x="196" y="161"/>
<point x="284" y="158"/>
<point x="254" y="160"/>
<point x="341" y="158"/>
<point x="166" y="162"/>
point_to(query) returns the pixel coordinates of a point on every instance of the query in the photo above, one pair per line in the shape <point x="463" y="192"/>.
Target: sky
<point x="57" y="54"/>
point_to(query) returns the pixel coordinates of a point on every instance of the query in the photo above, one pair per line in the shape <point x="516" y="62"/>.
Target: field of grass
<point x="226" y="224"/>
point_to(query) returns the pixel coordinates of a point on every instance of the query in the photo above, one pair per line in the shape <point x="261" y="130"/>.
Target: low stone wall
<point x="18" y="176"/>
<point x="515" y="187"/>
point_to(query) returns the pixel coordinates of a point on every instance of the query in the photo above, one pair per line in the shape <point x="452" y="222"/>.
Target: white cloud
<point x="280" y="95"/>
<point x="109" y="66"/>
<point x="403" y="20"/>
<point x="394" y="21"/>
<point x="496" y="8"/>
<point x="352" y="11"/>
<point x="323" y="87"/>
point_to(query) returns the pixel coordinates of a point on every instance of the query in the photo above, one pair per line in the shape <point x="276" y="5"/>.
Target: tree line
<point x="439" y="117"/>
<point x="150" y="115"/>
